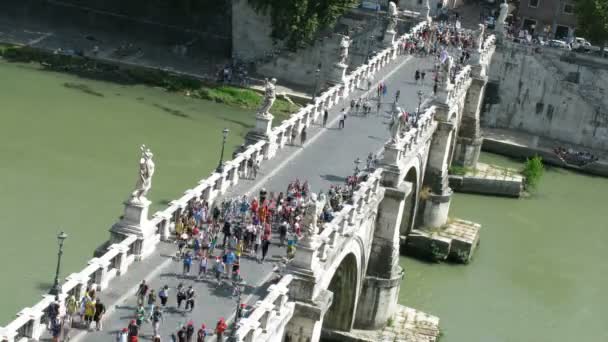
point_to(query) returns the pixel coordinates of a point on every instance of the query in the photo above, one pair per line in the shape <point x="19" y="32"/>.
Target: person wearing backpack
<point x="181" y="295"/>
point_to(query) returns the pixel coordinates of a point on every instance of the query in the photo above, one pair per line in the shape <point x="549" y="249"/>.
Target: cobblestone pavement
<point x="327" y="158"/>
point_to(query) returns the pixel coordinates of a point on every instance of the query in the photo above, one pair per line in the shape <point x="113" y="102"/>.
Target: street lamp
<point x="55" y="290"/>
<point x="220" y="166"/>
<point x="239" y="287"/>
<point x="357" y="162"/>
<point x="317" y="78"/>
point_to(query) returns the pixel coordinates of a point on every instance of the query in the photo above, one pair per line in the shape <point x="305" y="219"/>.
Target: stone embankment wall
<point x="252" y="43"/>
<point x="536" y="91"/>
<point x="203" y="25"/>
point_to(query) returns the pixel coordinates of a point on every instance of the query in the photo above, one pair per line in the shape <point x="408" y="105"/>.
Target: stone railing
<point x="348" y="219"/>
<point x="29" y="323"/>
<point x="487" y="50"/>
<point x="116" y="260"/>
<point x="268" y="319"/>
<point x="461" y="84"/>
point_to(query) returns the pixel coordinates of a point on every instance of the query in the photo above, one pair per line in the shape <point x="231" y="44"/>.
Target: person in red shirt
<point x="220" y="328"/>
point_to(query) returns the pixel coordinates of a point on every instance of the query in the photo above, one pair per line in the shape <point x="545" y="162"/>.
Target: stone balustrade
<point x="119" y="256"/>
<point x="268" y="319"/>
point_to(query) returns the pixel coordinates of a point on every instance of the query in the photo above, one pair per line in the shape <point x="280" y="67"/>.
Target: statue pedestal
<point x="338" y="73"/>
<point x="389" y="38"/>
<point x="262" y="131"/>
<point x="135" y="222"/>
<point x="306" y="252"/>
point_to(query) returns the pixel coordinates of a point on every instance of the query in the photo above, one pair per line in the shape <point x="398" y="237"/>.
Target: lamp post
<point x="239" y="287"/>
<point x="419" y="101"/>
<point x="220" y="166"/>
<point x="55" y="290"/>
<point x="317" y="78"/>
<point x="357" y="162"/>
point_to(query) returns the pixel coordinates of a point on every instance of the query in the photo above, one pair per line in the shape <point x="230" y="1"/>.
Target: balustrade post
<point x="120" y="263"/>
<point x="34" y="328"/>
<point x="101" y="275"/>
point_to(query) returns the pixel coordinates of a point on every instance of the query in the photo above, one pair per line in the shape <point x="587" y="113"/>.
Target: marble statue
<point x="479" y="37"/>
<point x="395" y="125"/>
<point x="502" y="17"/>
<point x="313" y="209"/>
<point x="146" y="170"/>
<point x="392" y="17"/>
<point x="344" y="45"/>
<point x="447" y="70"/>
<point x="270" y="96"/>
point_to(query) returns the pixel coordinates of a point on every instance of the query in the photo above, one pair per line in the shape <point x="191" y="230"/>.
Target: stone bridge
<point x="346" y="277"/>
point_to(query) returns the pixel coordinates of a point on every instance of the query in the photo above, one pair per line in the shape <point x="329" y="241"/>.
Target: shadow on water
<point x="164" y="202"/>
<point x="44" y="286"/>
<point x="333" y="178"/>
<point x="174" y="112"/>
<point x="237" y="122"/>
<point x="83" y="88"/>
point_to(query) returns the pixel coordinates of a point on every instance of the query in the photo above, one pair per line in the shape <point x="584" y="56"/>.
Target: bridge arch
<point x="411" y="202"/>
<point x="343" y="285"/>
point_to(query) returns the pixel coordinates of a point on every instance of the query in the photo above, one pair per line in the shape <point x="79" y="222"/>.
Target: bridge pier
<point x="437" y="200"/>
<point x="381" y="284"/>
<point x="469" y="141"/>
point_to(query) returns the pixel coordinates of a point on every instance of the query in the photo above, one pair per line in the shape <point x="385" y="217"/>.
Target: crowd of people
<point x="577" y="158"/>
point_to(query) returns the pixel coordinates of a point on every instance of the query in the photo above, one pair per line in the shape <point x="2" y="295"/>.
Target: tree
<point x="297" y="22"/>
<point x="592" y="20"/>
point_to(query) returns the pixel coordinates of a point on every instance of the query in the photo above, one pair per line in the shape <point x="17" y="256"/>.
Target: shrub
<point x="533" y="171"/>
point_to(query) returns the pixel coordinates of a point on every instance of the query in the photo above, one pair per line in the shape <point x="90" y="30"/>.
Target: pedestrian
<point x="140" y="315"/>
<point x="218" y="268"/>
<point x="55" y="327"/>
<point x="303" y="136"/>
<point x="190" y="295"/>
<point x="229" y="259"/>
<point x="397" y="94"/>
<point x="256" y="168"/>
<point x="157" y="318"/>
<point x="163" y="294"/>
<point x="352" y="104"/>
<point x="325" y="117"/>
<point x="100" y="310"/>
<point x="89" y="312"/>
<point x="71" y="305"/>
<point x="226" y="230"/>
<point x="422" y="74"/>
<point x="202" y="267"/>
<point x="156" y="338"/>
<point x="122" y="335"/>
<point x="53" y="311"/>
<point x="142" y="290"/>
<point x="282" y="233"/>
<point x="369" y="84"/>
<point x="201" y="334"/>
<point x="67" y="326"/>
<point x="133" y="330"/>
<point x="265" y="245"/>
<point x="187" y="263"/>
<point x="181" y="334"/>
<point x="189" y="331"/>
<point x="435" y="88"/>
<point x="220" y="328"/>
<point x="342" y="118"/>
<point x="181" y="295"/>
<point x="384" y="89"/>
<point x="417" y="76"/>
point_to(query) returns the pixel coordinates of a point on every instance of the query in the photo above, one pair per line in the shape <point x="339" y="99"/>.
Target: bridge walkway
<point x="327" y="158"/>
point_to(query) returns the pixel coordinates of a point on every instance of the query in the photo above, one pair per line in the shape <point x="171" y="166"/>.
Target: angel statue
<point x="392" y="17"/>
<point x="270" y="96"/>
<point x="344" y="45"/>
<point x="478" y="37"/>
<point x="313" y="209"/>
<point x="395" y="125"/>
<point x="146" y="170"/>
<point x="447" y="70"/>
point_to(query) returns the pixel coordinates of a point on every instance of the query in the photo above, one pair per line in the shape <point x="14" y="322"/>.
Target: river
<point x="539" y="273"/>
<point x="69" y="149"/>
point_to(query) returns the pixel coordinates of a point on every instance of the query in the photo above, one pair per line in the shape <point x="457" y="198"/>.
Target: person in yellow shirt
<point x="89" y="312"/>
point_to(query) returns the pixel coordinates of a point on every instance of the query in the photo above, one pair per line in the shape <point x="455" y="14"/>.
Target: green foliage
<point x="592" y="20"/>
<point x="459" y="170"/>
<point x="533" y="171"/>
<point x="244" y="98"/>
<point x="298" y="21"/>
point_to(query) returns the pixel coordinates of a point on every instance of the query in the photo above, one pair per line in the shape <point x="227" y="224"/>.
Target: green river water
<point x="539" y="273"/>
<point x="69" y="149"/>
<point x="68" y="158"/>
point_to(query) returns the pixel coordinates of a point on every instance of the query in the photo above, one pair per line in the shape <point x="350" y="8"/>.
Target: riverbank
<point x="130" y="74"/>
<point x="69" y="148"/>
<point x="522" y="145"/>
<point x="537" y="276"/>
